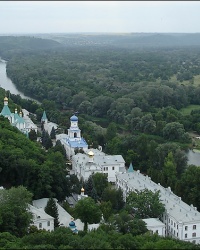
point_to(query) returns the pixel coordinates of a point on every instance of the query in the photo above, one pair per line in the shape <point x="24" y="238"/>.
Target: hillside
<point x="127" y="40"/>
<point x="16" y="44"/>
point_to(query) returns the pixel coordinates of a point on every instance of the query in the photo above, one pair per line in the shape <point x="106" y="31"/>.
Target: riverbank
<point x="1" y="60"/>
<point x="7" y="84"/>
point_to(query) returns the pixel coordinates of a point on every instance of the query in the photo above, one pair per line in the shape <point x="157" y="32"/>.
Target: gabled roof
<point x="64" y="216"/>
<point x="40" y="213"/>
<point x="154" y="222"/>
<point x="174" y="206"/>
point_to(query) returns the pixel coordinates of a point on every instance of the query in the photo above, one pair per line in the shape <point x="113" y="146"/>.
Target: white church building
<point x="94" y="161"/>
<point x="89" y="161"/>
<point x="41" y="219"/>
<point x="24" y="124"/>
<point x="73" y="139"/>
<point x="182" y="221"/>
<point x="48" y="125"/>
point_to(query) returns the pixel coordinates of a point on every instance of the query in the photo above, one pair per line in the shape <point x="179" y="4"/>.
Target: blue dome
<point x="74" y="118"/>
<point x="71" y="224"/>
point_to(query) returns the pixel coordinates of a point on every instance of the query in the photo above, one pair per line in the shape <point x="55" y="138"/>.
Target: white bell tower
<point x="74" y="132"/>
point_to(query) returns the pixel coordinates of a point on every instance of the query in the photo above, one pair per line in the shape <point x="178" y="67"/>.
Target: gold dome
<point x="5" y="98"/>
<point x="90" y="153"/>
<point x="82" y="189"/>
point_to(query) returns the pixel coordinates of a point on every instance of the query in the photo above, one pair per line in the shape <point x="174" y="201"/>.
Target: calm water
<point x="193" y="158"/>
<point x="7" y="84"/>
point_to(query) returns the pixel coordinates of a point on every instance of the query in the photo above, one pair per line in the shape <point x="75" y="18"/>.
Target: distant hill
<point x="24" y="43"/>
<point x="128" y="40"/>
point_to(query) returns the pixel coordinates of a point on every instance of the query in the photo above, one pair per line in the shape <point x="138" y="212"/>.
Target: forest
<point x="129" y="100"/>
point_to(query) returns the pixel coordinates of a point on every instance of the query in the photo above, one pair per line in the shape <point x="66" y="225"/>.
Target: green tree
<point x="49" y="143"/>
<point x="59" y="148"/>
<point x="53" y="133"/>
<point x="111" y="131"/>
<point x="115" y="196"/>
<point x="179" y="156"/>
<point x="9" y="241"/>
<point x="100" y="181"/>
<point x="145" y="204"/>
<point x="173" y="131"/>
<point x="94" y="195"/>
<point x="46" y="140"/>
<point x="52" y="209"/>
<point x="189" y="186"/>
<point x="125" y="223"/>
<point x="14" y="215"/>
<point x="89" y="186"/>
<point x="147" y="124"/>
<point x="106" y="208"/>
<point x="32" y="135"/>
<point x="169" y="171"/>
<point x="87" y="211"/>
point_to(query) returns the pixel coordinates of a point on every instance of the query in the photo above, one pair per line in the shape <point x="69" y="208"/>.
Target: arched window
<point x="75" y="135"/>
<point x="40" y="225"/>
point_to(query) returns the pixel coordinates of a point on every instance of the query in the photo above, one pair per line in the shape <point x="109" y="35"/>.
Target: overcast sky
<point x="99" y="16"/>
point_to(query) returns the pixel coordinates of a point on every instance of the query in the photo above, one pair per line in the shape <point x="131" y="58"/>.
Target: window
<point x="186" y="228"/>
<point x="157" y="231"/>
<point x="177" y="234"/>
<point x="174" y="224"/>
<point x="113" y="168"/>
<point x="40" y="225"/>
<point x="177" y="226"/>
<point x="193" y="234"/>
<point x="194" y="241"/>
<point x="174" y="232"/>
<point x="171" y="222"/>
<point x="185" y="235"/>
<point x="194" y="227"/>
<point x="48" y="223"/>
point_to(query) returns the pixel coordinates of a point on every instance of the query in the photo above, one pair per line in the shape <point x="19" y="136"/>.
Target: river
<point x="193" y="157"/>
<point x="7" y="84"/>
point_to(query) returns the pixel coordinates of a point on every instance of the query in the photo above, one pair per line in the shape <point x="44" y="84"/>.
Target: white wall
<point x="44" y="224"/>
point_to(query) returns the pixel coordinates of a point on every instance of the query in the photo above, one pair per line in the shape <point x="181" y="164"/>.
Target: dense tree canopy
<point x="88" y="211"/>
<point x="145" y="204"/>
<point x="22" y="162"/>
<point x="14" y="215"/>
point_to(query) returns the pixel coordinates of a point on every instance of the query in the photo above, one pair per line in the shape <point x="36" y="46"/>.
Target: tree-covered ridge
<point x="17" y="44"/>
<point x="107" y="82"/>
<point x="128" y="40"/>
<point x="24" y="162"/>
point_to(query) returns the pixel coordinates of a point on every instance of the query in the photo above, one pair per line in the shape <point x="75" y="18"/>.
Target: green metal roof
<point x="5" y="111"/>
<point x="130" y="169"/>
<point x="44" y="116"/>
<point x="21" y="119"/>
